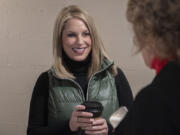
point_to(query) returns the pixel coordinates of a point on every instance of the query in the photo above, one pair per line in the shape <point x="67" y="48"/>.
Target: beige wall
<point x="26" y="49"/>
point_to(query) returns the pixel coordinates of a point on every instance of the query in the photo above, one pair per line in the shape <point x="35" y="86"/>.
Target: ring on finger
<point x="76" y="119"/>
<point x="83" y="128"/>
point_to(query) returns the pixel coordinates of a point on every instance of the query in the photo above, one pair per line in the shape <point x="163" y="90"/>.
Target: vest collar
<point x="105" y="65"/>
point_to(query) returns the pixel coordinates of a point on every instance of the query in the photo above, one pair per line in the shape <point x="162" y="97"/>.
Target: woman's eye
<point x="86" y="34"/>
<point x="71" y="35"/>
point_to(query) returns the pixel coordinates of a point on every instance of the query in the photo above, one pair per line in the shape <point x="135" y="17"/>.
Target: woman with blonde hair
<point x="156" y="109"/>
<point x="81" y="71"/>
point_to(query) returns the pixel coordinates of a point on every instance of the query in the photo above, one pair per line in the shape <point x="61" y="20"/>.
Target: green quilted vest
<point x="65" y="94"/>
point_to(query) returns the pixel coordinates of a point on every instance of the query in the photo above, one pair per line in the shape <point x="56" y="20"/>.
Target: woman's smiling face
<point x="76" y="39"/>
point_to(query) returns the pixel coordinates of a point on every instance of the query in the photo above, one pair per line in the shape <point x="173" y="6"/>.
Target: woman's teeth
<point x="79" y="50"/>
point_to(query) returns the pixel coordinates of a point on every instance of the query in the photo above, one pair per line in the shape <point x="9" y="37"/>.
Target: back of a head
<point x="159" y="19"/>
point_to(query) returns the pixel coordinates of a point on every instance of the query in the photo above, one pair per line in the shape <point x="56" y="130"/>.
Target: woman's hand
<point x="80" y="119"/>
<point x="99" y="127"/>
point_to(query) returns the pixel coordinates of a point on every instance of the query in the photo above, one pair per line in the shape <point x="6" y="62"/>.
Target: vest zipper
<point x="92" y="77"/>
<point x="81" y="91"/>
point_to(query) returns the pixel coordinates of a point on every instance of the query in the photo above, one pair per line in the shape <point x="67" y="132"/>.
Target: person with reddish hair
<point x="156" y="109"/>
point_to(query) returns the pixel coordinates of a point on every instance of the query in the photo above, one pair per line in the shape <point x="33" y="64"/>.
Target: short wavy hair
<point x="159" y="19"/>
<point x="98" y="50"/>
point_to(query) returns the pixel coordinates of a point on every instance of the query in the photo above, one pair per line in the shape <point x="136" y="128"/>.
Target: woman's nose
<point x="80" y="40"/>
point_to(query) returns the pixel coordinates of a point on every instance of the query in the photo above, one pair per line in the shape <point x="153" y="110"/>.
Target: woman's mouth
<point x="79" y="50"/>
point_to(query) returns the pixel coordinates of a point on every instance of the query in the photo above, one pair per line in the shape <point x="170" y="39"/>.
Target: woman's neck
<point x="77" y="67"/>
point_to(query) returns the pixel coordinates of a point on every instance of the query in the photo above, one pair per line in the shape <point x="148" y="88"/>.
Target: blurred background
<point x="26" y="28"/>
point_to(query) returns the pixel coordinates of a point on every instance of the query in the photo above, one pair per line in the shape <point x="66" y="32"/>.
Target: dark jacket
<point x="156" y="109"/>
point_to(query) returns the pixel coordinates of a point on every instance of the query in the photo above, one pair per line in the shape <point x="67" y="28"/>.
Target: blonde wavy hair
<point x="159" y="19"/>
<point x="98" y="50"/>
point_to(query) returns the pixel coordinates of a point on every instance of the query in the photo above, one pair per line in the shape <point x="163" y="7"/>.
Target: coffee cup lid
<point x="94" y="107"/>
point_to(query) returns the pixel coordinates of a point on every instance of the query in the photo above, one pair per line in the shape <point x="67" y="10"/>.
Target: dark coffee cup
<point x="93" y="107"/>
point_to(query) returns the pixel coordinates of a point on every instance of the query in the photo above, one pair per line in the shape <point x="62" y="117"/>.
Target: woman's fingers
<point x="99" y="127"/>
<point x="83" y="114"/>
<point x="99" y="121"/>
<point x="99" y="132"/>
<point x="84" y="125"/>
<point x="80" y="113"/>
<point x="79" y="108"/>
<point x="80" y="119"/>
<point x="85" y="120"/>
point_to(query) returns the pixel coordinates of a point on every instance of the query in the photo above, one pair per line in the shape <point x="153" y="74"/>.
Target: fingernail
<point x="91" y="120"/>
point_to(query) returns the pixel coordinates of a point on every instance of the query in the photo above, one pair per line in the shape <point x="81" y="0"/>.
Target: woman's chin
<point x="79" y="58"/>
